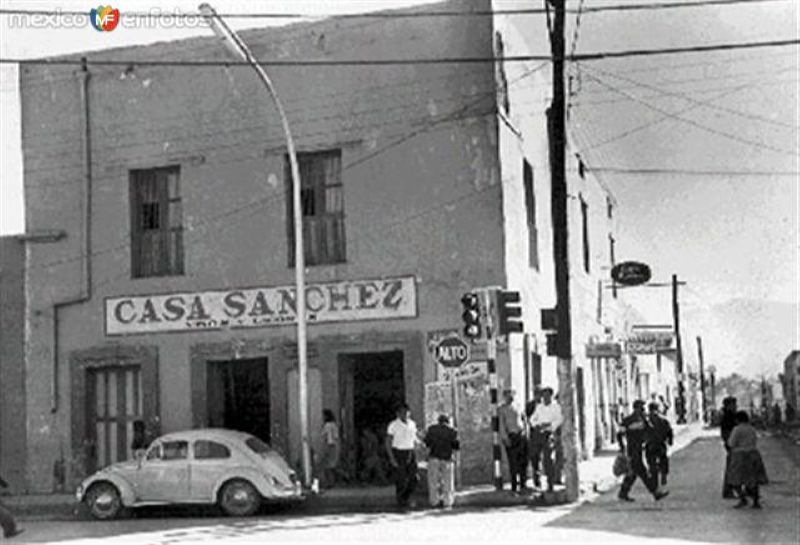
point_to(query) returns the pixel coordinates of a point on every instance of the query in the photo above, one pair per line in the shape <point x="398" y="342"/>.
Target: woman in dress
<point x="746" y="471"/>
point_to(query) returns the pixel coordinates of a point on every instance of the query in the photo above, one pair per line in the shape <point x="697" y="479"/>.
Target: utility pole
<point x="558" y="141"/>
<point x="702" y="378"/>
<point x="681" y="404"/>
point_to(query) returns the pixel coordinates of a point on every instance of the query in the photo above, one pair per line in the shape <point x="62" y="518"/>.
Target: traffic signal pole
<point x="491" y="363"/>
<point x="559" y="202"/>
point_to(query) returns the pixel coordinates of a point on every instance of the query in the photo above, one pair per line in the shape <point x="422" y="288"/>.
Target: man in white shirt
<point x="401" y="439"/>
<point x="546" y="420"/>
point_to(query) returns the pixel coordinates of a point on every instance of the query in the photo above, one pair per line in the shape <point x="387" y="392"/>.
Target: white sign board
<point x="345" y="301"/>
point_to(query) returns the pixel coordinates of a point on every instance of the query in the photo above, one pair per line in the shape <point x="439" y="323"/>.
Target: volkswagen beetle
<point x="232" y="469"/>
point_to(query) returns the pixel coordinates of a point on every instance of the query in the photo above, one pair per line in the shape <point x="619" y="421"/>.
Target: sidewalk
<point x="595" y="474"/>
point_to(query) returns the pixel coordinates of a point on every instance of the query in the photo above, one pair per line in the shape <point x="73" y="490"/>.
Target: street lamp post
<point x="235" y="44"/>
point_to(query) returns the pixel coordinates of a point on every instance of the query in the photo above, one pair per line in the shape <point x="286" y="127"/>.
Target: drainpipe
<point x="85" y="293"/>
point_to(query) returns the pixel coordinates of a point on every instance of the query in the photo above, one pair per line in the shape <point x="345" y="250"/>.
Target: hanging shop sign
<point x="630" y="273"/>
<point x="603" y="350"/>
<point x="346" y="301"/>
<point x="649" y="342"/>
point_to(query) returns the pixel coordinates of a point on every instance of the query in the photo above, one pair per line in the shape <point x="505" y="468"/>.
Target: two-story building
<point x="171" y="297"/>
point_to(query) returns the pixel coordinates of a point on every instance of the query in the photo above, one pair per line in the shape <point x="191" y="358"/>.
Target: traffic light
<point x="473" y="328"/>
<point x="509" y="313"/>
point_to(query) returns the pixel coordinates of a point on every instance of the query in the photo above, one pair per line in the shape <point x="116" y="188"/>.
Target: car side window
<point x="209" y="450"/>
<point x="154" y="453"/>
<point x="175" y="450"/>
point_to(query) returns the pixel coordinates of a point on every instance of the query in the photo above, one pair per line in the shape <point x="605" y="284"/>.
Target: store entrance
<point x="372" y="386"/>
<point x="238" y="396"/>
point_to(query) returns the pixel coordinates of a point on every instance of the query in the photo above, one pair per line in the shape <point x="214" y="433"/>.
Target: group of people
<point x="744" y="467"/>
<point x="532" y="438"/>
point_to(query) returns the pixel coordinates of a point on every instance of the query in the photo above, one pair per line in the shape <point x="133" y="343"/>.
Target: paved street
<point x="693" y="513"/>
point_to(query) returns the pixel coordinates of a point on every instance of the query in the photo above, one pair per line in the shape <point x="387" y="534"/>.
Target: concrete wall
<point x="12" y="368"/>
<point x="421" y="190"/>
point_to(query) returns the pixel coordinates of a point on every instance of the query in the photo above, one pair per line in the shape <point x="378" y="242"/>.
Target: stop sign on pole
<point x="451" y="352"/>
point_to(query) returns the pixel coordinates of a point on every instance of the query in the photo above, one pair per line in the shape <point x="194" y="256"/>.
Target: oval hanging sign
<point x="630" y="273"/>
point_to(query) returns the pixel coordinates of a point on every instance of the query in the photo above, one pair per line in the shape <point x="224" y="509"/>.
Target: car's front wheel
<point x="103" y="501"/>
<point x="239" y="498"/>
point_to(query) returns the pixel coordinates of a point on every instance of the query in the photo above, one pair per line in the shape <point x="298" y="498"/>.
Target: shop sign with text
<point x="259" y="307"/>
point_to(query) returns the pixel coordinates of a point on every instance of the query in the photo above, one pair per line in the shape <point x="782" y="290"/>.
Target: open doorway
<point x="238" y="396"/>
<point x="372" y="386"/>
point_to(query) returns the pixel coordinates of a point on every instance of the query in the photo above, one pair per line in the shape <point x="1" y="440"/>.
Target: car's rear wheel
<point x="239" y="498"/>
<point x="104" y="501"/>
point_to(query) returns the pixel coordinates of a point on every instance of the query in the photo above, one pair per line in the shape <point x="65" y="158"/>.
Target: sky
<point x="719" y="128"/>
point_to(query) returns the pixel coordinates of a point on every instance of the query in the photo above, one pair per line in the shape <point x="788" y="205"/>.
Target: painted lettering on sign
<point x="258" y="307"/>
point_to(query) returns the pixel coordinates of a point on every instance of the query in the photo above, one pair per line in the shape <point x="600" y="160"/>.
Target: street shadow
<point x="695" y="511"/>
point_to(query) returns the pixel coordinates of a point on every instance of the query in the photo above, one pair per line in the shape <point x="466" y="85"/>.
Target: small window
<point x="585" y="221"/>
<point x="175" y="450"/>
<point x="209" y="450"/>
<point x="154" y="453"/>
<point x="322" y="205"/>
<point x="609" y="208"/>
<point x="530" y="206"/>
<point x="501" y="80"/>
<point x="257" y="445"/>
<point x="156" y="222"/>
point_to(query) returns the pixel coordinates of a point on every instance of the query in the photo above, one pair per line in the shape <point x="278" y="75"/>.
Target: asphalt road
<point x="693" y="513"/>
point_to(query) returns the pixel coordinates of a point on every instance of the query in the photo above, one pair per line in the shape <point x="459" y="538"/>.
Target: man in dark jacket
<point x="726" y="424"/>
<point x="659" y="435"/>
<point x="634" y="429"/>
<point x="7" y="522"/>
<point x="441" y="441"/>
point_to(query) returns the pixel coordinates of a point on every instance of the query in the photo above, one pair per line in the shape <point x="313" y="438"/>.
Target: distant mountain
<point x="747" y="336"/>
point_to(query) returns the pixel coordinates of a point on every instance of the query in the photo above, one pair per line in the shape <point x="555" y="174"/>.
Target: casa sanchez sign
<point x="259" y="307"/>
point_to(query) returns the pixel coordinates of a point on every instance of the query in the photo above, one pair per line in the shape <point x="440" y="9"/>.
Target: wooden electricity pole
<point x="703" y="405"/>
<point x="681" y="403"/>
<point x="559" y="201"/>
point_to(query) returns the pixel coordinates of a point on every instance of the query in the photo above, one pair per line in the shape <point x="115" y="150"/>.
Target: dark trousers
<point x="543" y="449"/>
<point x="657" y="462"/>
<point x="728" y="490"/>
<point x="517" y="460"/>
<point x="639" y="470"/>
<point x="7" y="521"/>
<point x="405" y="475"/>
<point x="535" y="448"/>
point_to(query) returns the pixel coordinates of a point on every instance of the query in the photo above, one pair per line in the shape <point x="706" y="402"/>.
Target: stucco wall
<point x="421" y="187"/>
<point x="12" y="369"/>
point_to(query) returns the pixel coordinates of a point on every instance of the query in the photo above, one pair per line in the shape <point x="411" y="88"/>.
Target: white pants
<point x="441" y="482"/>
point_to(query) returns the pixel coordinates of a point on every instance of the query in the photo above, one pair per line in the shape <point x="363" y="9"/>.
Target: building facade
<point x="12" y="357"/>
<point x="791" y="380"/>
<point x="170" y="298"/>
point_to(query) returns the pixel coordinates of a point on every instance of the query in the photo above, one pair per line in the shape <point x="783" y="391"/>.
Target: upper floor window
<point x="609" y="208"/>
<point x="501" y="80"/>
<point x="585" y="228"/>
<point x="530" y="206"/>
<point x="156" y="222"/>
<point x="322" y="202"/>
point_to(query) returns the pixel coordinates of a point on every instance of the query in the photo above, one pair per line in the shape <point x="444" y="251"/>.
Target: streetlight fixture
<point x="235" y="44"/>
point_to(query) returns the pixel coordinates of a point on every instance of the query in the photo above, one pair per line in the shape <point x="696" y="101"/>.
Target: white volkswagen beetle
<point x="206" y="466"/>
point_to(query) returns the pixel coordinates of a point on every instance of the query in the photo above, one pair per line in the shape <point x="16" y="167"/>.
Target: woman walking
<point x="746" y="471"/>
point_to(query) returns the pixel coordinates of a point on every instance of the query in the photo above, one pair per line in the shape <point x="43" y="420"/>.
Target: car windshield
<point x="257" y="445"/>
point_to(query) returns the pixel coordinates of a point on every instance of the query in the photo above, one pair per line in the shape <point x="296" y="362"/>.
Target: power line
<point x="700" y="126"/>
<point x="706" y="104"/>
<point x="399" y="14"/>
<point x="691" y="172"/>
<point x="390" y="62"/>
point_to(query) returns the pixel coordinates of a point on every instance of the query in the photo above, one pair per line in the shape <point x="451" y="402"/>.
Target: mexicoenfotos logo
<point x="104" y="18"/>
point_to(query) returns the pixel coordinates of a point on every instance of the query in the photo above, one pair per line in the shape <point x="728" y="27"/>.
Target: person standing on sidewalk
<point x="546" y="420"/>
<point x="510" y="428"/>
<point x="535" y="438"/>
<point x="726" y="424"/>
<point x="441" y="440"/>
<point x="746" y="471"/>
<point x="634" y="428"/>
<point x="401" y="440"/>
<point x="659" y="435"/>
<point x="7" y="522"/>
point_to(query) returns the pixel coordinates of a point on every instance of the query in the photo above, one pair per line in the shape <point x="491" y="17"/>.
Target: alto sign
<point x="451" y="352"/>
<point x="630" y="273"/>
